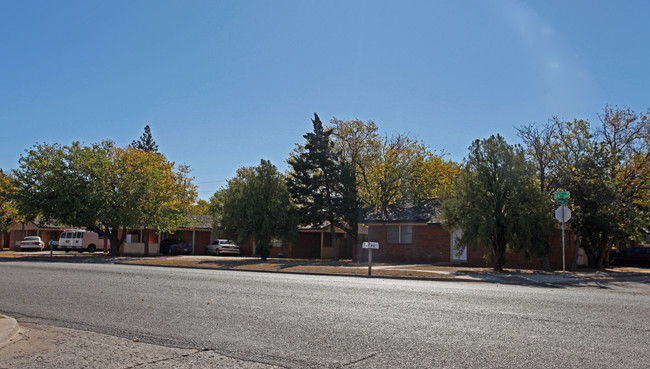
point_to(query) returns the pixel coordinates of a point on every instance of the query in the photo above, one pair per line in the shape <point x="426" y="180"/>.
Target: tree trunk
<point x="576" y="251"/>
<point x="145" y="235"/>
<point x="333" y="243"/>
<point x="22" y="236"/>
<point x="600" y="264"/>
<point x="115" y="246"/>
<point x="499" y="257"/>
<point x="262" y="248"/>
<point x="116" y="241"/>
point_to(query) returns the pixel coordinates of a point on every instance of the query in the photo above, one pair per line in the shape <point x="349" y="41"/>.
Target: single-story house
<point x="313" y="242"/>
<point x="198" y="232"/>
<point x="414" y="234"/>
<point x="16" y="232"/>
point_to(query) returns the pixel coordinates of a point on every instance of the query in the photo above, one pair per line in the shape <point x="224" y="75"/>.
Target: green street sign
<point x="563" y="201"/>
<point x="561" y="195"/>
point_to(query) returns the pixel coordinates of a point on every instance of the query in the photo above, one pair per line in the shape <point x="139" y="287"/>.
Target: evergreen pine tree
<point x="322" y="185"/>
<point x="145" y="142"/>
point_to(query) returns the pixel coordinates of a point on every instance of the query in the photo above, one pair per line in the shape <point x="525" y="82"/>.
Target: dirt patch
<point x="324" y="270"/>
<point x="259" y="267"/>
<point x="342" y="267"/>
<point x="302" y="266"/>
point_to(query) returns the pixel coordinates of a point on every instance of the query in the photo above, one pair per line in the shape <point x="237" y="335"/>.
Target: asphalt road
<point x="319" y="321"/>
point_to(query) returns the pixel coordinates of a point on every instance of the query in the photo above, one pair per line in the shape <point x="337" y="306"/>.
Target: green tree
<point x="8" y="213"/>
<point x="540" y="149"/>
<point x="145" y="142"/>
<point x="322" y="184"/>
<point x="626" y="138"/>
<point x="102" y="188"/>
<point x="164" y="191"/>
<point x="606" y="171"/>
<point x="496" y="202"/>
<point x="216" y="207"/>
<point x="257" y="204"/>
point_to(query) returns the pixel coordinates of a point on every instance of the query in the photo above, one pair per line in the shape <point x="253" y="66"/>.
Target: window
<point x="400" y="234"/>
<point x="133" y="236"/>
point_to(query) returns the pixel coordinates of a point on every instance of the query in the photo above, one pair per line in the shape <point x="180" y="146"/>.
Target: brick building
<point x="311" y="243"/>
<point x="414" y="234"/>
<point x="198" y="232"/>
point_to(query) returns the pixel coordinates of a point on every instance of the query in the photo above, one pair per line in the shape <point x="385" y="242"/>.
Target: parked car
<point x="171" y="246"/>
<point x="79" y="240"/>
<point x="32" y="243"/>
<point x="219" y="247"/>
<point x="639" y="255"/>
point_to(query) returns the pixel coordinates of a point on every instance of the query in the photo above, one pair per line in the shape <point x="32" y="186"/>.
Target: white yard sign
<point x="370" y="245"/>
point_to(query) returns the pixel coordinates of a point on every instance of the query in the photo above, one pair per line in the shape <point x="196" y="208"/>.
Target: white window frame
<point x="455" y="235"/>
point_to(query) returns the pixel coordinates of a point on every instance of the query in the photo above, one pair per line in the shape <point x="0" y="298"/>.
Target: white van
<point x="80" y="240"/>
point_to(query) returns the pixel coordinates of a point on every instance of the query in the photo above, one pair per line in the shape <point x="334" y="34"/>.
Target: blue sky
<point x="224" y="84"/>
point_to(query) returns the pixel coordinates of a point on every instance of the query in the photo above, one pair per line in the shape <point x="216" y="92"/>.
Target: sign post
<point x="563" y="214"/>
<point x="370" y="246"/>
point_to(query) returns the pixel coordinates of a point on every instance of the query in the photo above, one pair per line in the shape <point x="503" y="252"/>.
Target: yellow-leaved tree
<point x="103" y="188"/>
<point x="391" y="169"/>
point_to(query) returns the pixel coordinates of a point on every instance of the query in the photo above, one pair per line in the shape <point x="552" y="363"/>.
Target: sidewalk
<point x="46" y="346"/>
<point x="9" y="330"/>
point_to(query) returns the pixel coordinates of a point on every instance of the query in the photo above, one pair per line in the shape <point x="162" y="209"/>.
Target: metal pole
<point x="563" y="257"/>
<point x="369" y="262"/>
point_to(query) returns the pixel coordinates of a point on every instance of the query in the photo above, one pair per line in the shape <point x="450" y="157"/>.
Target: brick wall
<point x="202" y="241"/>
<point x="307" y="246"/>
<point x="431" y="243"/>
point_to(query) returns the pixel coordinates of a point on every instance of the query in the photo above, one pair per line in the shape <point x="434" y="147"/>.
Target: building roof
<point x="428" y="212"/>
<point x="198" y="221"/>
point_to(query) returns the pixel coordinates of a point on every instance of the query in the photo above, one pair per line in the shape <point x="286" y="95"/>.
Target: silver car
<point x="219" y="247"/>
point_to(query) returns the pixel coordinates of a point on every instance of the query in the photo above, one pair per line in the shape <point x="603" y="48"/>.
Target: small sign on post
<point x="563" y="214"/>
<point x="370" y="246"/>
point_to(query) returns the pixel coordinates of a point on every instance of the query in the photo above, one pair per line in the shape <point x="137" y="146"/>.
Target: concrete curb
<point x="503" y="279"/>
<point x="9" y="328"/>
<point x="523" y="279"/>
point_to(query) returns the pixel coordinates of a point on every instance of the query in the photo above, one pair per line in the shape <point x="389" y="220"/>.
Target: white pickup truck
<point x="80" y="240"/>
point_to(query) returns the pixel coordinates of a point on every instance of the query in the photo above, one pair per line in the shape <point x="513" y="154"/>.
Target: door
<point x="455" y="255"/>
<point x="77" y="241"/>
<point x="64" y="241"/>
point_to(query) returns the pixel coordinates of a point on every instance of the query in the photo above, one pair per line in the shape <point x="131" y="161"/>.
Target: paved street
<point x="320" y="321"/>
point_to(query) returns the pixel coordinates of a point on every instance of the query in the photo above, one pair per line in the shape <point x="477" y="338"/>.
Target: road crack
<point x="361" y="359"/>
<point x="166" y="359"/>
